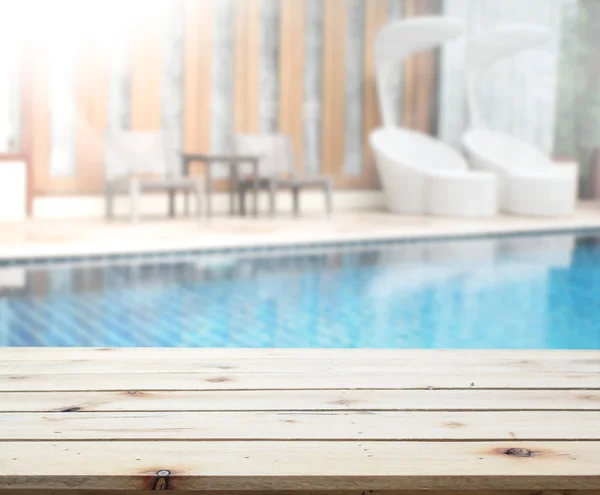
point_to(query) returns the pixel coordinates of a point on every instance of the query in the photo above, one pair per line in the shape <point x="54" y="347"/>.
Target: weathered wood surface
<point x="310" y="421"/>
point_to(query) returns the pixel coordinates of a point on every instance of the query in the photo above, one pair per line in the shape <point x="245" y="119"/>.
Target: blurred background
<point x="70" y="69"/>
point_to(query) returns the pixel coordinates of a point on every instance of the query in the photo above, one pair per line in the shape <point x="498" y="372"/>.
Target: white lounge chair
<point x="529" y="182"/>
<point x="138" y="161"/>
<point x="419" y="174"/>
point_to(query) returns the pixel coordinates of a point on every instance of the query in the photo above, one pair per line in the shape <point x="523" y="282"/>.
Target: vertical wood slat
<point x="40" y="90"/>
<point x="27" y="78"/>
<point x="246" y="66"/>
<point x="408" y="107"/>
<point x="252" y="65"/>
<point x="334" y="49"/>
<point x="291" y="62"/>
<point x="91" y="88"/>
<point x="419" y="74"/>
<point x="239" y="67"/>
<point x="375" y="18"/>
<point x="146" y="63"/>
<point x="197" y="83"/>
<point x="424" y="78"/>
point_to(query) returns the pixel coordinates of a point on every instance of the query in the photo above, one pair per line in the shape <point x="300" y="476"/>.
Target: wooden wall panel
<point x="91" y="88"/>
<point x="419" y="77"/>
<point x="146" y="40"/>
<point x="375" y="17"/>
<point x="410" y="10"/>
<point x="252" y="45"/>
<point x="246" y="66"/>
<point x="334" y="50"/>
<point x="197" y="81"/>
<point x="40" y="90"/>
<point x="291" y="61"/>
<point x="146" y="64"/>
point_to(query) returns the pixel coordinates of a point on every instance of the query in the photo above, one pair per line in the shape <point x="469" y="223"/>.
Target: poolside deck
<point x="304" y="421"/>
<point x="75" y="237"/>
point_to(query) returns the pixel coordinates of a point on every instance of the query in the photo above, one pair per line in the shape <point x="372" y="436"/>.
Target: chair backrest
<point x="503" y="150"/>
<point x="485" y="48"/>
<point x="136" y="152"/>
<point x="397" y="41"/>
<point x="275" y="151"/>
<point x="416" y="150"/>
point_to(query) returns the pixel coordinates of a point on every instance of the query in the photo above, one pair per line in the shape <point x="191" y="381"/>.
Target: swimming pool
<point x="521" y="292"/>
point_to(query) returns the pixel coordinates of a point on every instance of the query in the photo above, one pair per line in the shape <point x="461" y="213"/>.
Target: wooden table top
<point x="305" y="420"/>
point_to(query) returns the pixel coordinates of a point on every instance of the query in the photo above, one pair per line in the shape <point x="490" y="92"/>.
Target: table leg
<point x="171" y="203"/>
<point x="255" y="189"/>
<point x="208" y="193"/>
<point x="232" y="188"/>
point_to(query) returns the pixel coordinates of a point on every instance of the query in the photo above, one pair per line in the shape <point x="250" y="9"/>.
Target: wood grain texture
<point x="348" y="363"/>
<point x="246" y="66"/>
<point x="304" y="425"/>
<point x="319" y="492"/>
<point x="334" y="50"/>
<point x="291" y="61"/>
<point x="252" y="68"/>
<point x="91" y="87"/>
<point x="310" y="380"/>
<point x="408" y="74"/>
<point x="305" y="465"/>
<point x="419" y="76"/>
<point x="197" y="82"/>
<point x="305" y="400"/>
<point x="439" y="357"/>
<point x="375" y="17"/>
<point x="146" y="65"/>
<point x="307" y="420"/>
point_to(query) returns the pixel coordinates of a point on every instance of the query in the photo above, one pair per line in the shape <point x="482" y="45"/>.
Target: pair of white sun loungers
<point x="495" y="171"/>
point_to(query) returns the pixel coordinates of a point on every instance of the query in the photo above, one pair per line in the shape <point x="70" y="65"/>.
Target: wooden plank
<point x="375" y="17"/>
<point x="252" y="67"/>
<point x="26" y="74"/>
<point x="239" y="67"/>
<point x="304" y="400"/>
<point x="295" y="381"/>
<point x="303" y="425"/>
<point x="334" y="59"/>
<point x="92" y="78"/>
<point x="307" y="465"/>
<point x="408" y="75"/>
<point x="428" y="357"/>
<point x="197" y="83"/>
<point x="291" y="63"/>
<point x="412" y="364"/>
<point x="319" y="492"/>
<point x="246" y="66"/>
<point x="146" y="67"/>
<point x="424" y="78"/>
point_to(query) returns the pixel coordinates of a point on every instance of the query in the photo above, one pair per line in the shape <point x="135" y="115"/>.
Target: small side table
<point x="234" y="162"/>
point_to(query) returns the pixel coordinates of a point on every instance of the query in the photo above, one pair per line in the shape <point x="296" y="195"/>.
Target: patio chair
<point x="529" y="182"/>
<point x="136" y="162"/>
<point x="276" y="171"/>
<point x="419" y="174"/>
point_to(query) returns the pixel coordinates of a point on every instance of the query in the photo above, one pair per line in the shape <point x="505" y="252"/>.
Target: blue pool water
<point x="508" y="292"/>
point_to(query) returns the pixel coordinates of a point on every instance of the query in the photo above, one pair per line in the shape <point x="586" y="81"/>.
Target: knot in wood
<point x="519" y="452"/>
